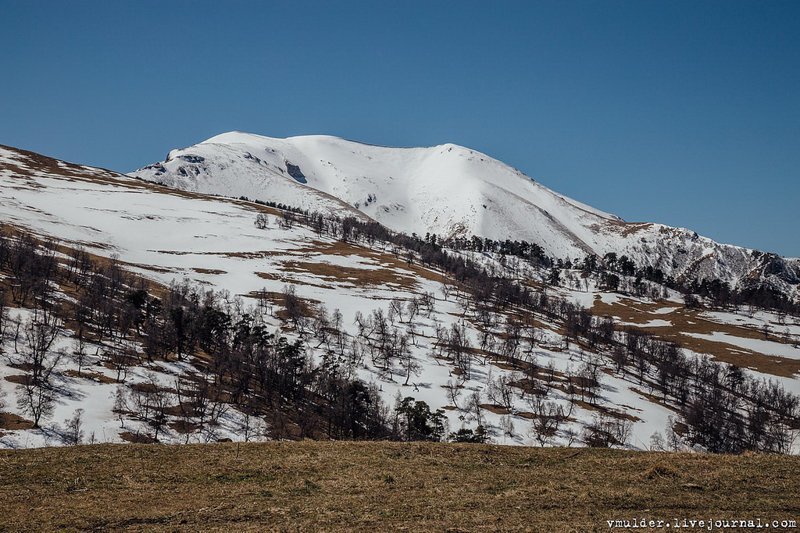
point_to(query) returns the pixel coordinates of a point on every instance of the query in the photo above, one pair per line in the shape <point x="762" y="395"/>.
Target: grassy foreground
<point x="312" y="486"/>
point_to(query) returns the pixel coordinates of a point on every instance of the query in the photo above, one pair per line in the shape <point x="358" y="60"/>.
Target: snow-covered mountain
<point x="166" y="235"/>
<point x="170" y="241"/>
<point x="448" y="190"/>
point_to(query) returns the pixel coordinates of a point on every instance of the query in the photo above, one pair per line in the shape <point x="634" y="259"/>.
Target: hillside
<point x="180" y="317"/>
<point x="451" y="191"/>
<point x="339" y="486"/>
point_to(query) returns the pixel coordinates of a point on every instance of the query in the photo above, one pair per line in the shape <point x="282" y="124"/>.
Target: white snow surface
<point x="448" y="190"/>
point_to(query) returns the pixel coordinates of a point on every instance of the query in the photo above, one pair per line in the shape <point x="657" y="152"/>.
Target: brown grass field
<point x="348" y="486"/>
<point x="691" y="321"/>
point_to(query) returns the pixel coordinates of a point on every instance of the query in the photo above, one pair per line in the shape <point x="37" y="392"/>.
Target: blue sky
<point x="686" y="113"/>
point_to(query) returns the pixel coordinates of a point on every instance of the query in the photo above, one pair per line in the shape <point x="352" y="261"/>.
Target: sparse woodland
<point x="300" y="380"/>
<point x="359" y="332"/>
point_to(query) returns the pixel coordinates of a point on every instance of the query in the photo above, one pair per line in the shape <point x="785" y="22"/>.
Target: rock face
<point x="451" y="191"/>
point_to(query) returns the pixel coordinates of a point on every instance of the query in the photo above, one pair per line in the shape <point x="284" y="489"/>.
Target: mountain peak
<point x="242" y="137"/>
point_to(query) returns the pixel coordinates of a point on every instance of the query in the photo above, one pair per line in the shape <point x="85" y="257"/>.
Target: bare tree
<point x="73" y="428"/>
<point x="262" y="221"/>
<point x="657" y="442"/>
<point x="396" y="310"/>
<point x="321" y="326"/>
<point x="674" y="440"/>
<point x="36" y="394"/>
<point x="447" y="290"/>
<point x="39" y="333"/>
<point x="507" y="425"/>
<point x="293" y="305"/>
<point x="37" y="401"/>
<point x="512" y="339"/>
<point x="605" y="431"/>
<point x="459" y="348"/>
<point x="474" y="406"/>
<point x="150" y="401"/>
<point x="408" y="362"/>
<point x="412" y="310"/>
<point x="4" y="320"/>
<point x="453" y="392"/>
<point x="500" y="392"/>
<point x="79" y="352"/>
<point x="547" y="419"/>
<point x="427" y="301"/>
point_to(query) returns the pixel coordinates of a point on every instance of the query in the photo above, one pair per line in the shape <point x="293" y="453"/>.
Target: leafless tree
<point x="547" y="419"/>
<point x="396" y="310"/>
<point x="36" y="393"/>
<point x="605" y="431"/>
<point x="453" y="389"/>
<point x="79" y="354"/>
<point x="37" y="401"/>
<point x="262" y="221"/>
<point x="474" y="407"/>
<point x="73" y="428"/>
<point x="408" y="362"/>
<point x="292" y="304"/>
<point x="500" y="391"/>
<point x="39" y="333"/>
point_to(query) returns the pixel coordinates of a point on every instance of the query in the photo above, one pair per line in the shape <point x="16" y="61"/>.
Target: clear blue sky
<point x="686" y="113"/>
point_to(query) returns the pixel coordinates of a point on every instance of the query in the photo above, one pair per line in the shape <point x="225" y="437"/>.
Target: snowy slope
<point x="448" y="190"/>
<point x="166" y="234"/>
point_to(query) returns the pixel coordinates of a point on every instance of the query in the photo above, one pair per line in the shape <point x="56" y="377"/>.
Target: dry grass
<point x="213" y="271"/>
<point x="361" y="277"/>
<point x="388" y="260"/>
<point x="313" y="486"/>
<point x="307" y="306"/>
<point x="88" y="374"/>
<point x="13" y="422"/>
<point x="608" y="411"/>
<point x="691" y="321"/>
<point x="496" y="409"/>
